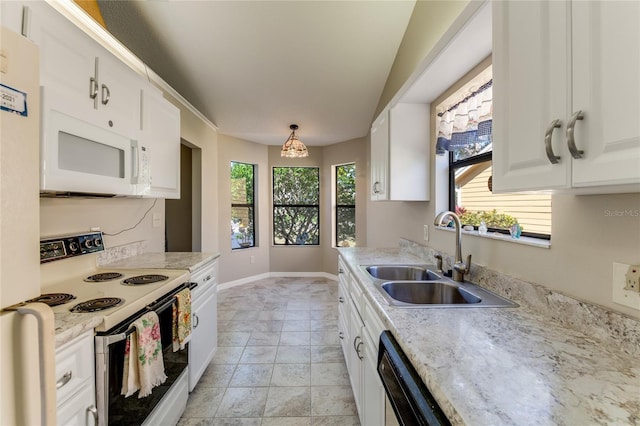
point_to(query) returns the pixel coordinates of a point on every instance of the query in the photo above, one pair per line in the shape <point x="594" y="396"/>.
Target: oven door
<point x="407" y="394"/>
<point x="114" y="408"/>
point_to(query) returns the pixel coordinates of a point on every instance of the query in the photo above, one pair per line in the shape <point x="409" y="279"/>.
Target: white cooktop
<point x="135" y="297"/>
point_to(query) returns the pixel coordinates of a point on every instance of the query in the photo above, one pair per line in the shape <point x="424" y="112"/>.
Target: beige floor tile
<point x="295" y="338"/>
<point x="293" y="355"/>
<point x="243" y="402"/>
<point x="203" y="402"/>
<point x="248" y="375"/>
<point x="288" y="402"/>
<point x="291" y="375"/>
<point x="264" y="338"/>
<point x="329" y="374"/>
<point x="332" y="401"/>
<point x="327" y="354"/>
<point x="259" y="355"/>
<point x="217" y="376"/>
<point x="234" y="338"/>
<point x="227" y="355"/>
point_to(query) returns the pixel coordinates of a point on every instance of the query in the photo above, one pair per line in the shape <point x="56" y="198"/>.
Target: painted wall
<point x="236" y="264"/>
<point x="352" y="151"/>
<point x="299" y="258"/>
<point x="589" y="233"/>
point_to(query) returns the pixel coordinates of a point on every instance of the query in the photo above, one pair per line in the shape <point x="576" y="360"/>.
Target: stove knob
<point x="97" y="242"/>
<point x="73" y="246"/>
<point x="88" y="243"/>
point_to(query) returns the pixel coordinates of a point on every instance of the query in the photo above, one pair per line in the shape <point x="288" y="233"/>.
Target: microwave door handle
<point x="135" y="154"/>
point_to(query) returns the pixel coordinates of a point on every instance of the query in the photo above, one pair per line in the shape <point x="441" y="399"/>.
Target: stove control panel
<point x="63" y="247"/>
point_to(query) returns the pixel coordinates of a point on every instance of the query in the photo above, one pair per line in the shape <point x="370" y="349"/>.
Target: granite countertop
<point x="68" y="326"/>
<point x="170" y="260"/>
<point x="508" y="366"/>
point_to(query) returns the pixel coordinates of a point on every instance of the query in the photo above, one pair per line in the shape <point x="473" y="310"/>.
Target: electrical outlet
<point x="626" y="285"/>
<point x="632" y="278"/>
<point x="426" y="232"/>
<point x="157" y="220"/>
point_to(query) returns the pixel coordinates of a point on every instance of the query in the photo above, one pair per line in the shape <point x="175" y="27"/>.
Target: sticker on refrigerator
<point x="13" y="100"/>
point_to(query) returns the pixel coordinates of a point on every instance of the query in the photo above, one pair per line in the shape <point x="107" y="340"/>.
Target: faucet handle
<point x="463" y="268"/>
<point x="438" y="257"/>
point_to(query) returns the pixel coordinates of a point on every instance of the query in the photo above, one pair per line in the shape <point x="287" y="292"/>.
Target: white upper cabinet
<point x="161" y="136"/>
<point x="400" y="153"/>
<point x="380" y="157"/>
<point x="566" y="96"/>
<point x="88" y="81"/>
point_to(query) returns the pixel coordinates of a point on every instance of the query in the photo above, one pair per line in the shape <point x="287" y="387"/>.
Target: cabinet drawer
<point x="74" y="366"/>
<point x="78" y="410"/>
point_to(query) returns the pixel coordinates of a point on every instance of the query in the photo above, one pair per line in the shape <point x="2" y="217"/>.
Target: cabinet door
<point x="380" y="157"/>
<point x="161" y="135"/>
<point x="355" y="354"/>
<point x="373" y="392"/>
<point x="119" y="91"/>
<point x="204" y="335"/>
<point x="531" y="88"/>
<point x="606" y="87"/>
<point x="67" y="55"/>
<point x="409" y="152"/>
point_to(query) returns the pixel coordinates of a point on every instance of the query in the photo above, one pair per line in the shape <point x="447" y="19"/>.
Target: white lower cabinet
<point x="360" y="330"/>
<point x="204" y="322"/>
<point x="75" y="382"/>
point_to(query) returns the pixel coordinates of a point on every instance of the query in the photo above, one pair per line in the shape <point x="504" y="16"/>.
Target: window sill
<point x="528" y="241"/>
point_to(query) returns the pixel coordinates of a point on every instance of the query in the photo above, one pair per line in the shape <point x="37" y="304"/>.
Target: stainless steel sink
<point x="417" y="286"/>
<point x="436" y="292"/>
<point x="402" y="272"/>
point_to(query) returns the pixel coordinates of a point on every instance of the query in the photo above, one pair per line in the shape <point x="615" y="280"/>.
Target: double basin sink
<point x="418" y="286"/>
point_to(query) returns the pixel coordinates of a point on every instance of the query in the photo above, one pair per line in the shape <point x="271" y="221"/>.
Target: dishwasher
<point x="407" y="394"/>
<point x="204" y="321"/>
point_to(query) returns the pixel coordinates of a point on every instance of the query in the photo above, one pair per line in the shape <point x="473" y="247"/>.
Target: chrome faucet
<point x="459" y="267"/>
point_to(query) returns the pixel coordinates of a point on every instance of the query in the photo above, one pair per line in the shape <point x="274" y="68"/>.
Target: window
<point x="296" y="206"/>
<point x="242" y="205"/>
<point x="345" y="205"/>
<point x="464" y="130"/>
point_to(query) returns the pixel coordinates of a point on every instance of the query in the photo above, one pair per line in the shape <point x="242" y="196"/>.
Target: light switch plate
<point x="620" y="295"/>
<point x="157" y="220"/>
<point x="426" y="232"/>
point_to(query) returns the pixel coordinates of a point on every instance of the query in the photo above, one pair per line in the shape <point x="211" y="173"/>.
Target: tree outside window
<point x="296" y="206"/>
<point x="242" y="205"/>
<point x="345" y="214"/>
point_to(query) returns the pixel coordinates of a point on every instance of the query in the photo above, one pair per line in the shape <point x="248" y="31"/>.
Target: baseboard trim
<point x="253" y="278"/>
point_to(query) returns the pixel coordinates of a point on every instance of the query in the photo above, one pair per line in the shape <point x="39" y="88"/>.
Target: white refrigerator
<point x="27" y="331"/>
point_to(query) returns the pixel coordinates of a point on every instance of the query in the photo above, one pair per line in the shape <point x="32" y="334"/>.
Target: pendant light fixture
<point x="293" y="147"/>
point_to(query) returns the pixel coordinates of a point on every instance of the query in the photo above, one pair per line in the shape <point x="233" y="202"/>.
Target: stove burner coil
<point x="144" y="279"/>
<point x="103" y="276"/>
<point x="53" y="299"/>
<point x="100" y="304"/>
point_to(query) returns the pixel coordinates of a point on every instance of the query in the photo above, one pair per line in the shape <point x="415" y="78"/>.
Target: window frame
<point x="274" y="206"/>
<point x="469" y="161"/>
<point x="250" y="206"/>
<point x="338" y="206"/>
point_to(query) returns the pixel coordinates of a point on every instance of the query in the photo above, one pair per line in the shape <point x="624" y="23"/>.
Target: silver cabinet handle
<point x="341" y="271"/>
<point x="208" y="278"/>
<point x="341" y="335"/>
<point x="571" y="141"/>
<point x="375" y="188"/>
<point x="357" y="345"/>
<point x="358" y="349"/>
<point x="94" y="412"/>
<point x="93" y="88"/>
<point x="105" y="98"/>
<point x="64" y="379"/>
<point x="341" y="299"/>
<point x="553" y="158"/>
<point x="196" y="321"/>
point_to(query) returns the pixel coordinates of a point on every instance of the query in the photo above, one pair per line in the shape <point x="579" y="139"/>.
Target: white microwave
<point x="78" y="156"/>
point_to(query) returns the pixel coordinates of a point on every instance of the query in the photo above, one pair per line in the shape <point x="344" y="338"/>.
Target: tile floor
<point x="279" y="360"/>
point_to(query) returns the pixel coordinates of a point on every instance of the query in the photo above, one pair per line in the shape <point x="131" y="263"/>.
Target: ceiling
<point x="255" y="67"/>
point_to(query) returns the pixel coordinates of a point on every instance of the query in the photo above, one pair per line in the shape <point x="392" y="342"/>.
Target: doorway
<point x="182" y="224"/>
